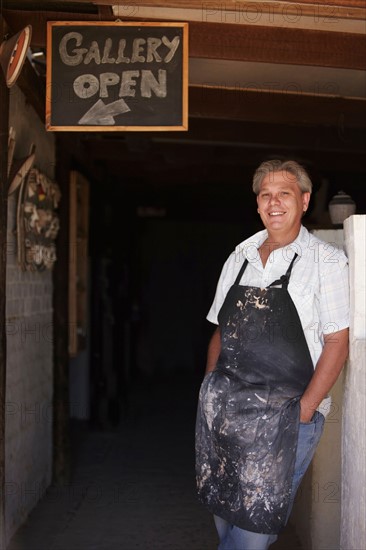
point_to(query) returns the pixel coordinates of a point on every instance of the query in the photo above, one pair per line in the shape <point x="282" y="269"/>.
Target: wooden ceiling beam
<point x="171" y="174"/>
<point x="277" y="45"/>
<point x="105" y="13"/>
<point x="325" y="8"/>
<point x="276" y="108"/>
<point x="204" y="146"/>
<point x="332" y="8"/>
<point x="197" y="4"/>
<point x="18" y="19"/>
<point x="254" y="43"/>
<point x="345" y="117"/>
<point x="234" y="136"/>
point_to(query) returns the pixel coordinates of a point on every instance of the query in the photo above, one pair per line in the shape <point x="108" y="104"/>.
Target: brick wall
<point x="29" y="385"/>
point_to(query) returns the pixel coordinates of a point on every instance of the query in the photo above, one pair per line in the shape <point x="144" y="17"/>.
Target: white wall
<point x="29" y="384"/>
<point x="353" y="513"/>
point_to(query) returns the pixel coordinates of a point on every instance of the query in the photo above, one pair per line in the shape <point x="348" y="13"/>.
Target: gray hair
<point x="290" y="166"/>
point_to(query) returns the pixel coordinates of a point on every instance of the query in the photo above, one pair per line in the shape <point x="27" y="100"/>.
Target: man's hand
<point x="326" y="372"/>
<point x="213" y="352"/>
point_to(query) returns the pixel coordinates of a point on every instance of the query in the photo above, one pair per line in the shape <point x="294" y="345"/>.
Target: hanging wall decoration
<point x="37" y="223"/>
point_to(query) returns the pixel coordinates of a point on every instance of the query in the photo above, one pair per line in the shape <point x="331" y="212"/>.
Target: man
<point x="282" y="306"/>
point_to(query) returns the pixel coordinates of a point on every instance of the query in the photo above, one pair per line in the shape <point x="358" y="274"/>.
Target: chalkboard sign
<point x="117" y="76"/>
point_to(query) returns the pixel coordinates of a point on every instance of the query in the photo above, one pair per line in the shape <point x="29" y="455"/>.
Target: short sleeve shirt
<point x="318" y="285"/>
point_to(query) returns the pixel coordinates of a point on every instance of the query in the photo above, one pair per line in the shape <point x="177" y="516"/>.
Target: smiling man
<point x="281" y="205"/>
<point x="282" y="310"/>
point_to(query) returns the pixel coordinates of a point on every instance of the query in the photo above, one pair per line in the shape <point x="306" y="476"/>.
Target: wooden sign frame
<point x="145" y="74"/>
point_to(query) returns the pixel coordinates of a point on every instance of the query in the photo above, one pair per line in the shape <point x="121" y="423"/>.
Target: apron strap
<point x="240" y="274"/>
<point x="285" y="279"/>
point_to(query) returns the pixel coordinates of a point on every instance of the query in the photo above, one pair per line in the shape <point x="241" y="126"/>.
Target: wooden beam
<point x="227" y="138"/>
<point x="105" y="13"/>
<point x="213" y="148"/>
<point x="77" y="5"/>
<point x="277" y="45"/>
<point x="18" y="19"/>
<point x="194" y="4"/>
<point x="329" y="9"/>
<point x="254" y="43"/>
<point x="275" y="107"/>
<point x="120" y="172"/>
<point x="236" y="133"/>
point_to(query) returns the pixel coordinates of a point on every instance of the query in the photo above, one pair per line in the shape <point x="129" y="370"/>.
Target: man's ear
<point x="305" y="200"/>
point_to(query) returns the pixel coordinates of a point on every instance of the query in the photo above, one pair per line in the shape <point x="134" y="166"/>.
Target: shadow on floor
<point x="132" y="488"/>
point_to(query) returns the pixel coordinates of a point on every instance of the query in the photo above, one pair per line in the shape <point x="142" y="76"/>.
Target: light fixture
<point x="13" y="53"/>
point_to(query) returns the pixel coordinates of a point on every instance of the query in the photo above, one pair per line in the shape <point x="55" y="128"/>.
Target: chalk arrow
<point x="101" y="114"/>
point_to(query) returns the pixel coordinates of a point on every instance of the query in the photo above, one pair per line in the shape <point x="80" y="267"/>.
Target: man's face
<point x="281" y="203"/>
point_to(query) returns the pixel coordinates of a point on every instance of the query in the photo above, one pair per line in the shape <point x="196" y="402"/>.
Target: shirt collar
<point x="254" y="242"/>
<point x="301" y="243"/>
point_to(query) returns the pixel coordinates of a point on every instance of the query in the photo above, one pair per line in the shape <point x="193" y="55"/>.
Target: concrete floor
<point x="132" y="488"/>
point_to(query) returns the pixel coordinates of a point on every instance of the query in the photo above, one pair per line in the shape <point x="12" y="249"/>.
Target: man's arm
<point x="213" y="352"/>
<point x="326" y="372"/>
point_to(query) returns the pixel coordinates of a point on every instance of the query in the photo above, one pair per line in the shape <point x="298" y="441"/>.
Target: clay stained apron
<point x="249" y="408"/>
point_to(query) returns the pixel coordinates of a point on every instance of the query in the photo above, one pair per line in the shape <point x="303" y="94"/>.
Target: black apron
<point x="249" y="408"/>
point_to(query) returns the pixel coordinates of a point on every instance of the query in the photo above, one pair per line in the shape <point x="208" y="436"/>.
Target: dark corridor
<point x="155" y="255"/>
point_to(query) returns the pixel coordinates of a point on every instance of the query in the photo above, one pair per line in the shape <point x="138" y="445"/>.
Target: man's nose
<point x="274" y="199"/>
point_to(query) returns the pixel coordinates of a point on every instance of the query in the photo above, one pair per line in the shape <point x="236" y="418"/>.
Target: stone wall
<point x="29" y="384"/>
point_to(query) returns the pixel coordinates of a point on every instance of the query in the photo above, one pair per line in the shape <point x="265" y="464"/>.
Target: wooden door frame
<point x="4" y="132"/>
